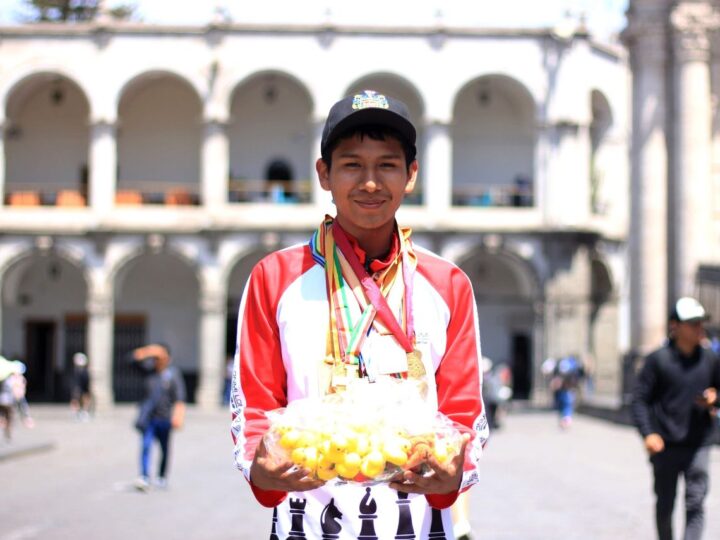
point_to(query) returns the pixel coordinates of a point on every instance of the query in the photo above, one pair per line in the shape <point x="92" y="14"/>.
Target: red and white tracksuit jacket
<point x="282" y="336"/>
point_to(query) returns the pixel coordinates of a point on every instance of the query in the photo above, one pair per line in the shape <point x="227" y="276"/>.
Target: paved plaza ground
<point x="70" y="480"/>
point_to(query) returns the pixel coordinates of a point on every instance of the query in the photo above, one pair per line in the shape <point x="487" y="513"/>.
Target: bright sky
<point x="604" y="17"/>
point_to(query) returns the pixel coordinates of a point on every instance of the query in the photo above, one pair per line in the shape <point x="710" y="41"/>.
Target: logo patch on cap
<point x="369" y="99"/>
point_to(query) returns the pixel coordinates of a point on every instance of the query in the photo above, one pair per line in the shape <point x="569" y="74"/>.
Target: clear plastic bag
<point x="367" y="434"/>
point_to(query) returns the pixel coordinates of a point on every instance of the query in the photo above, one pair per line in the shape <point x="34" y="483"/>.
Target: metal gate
<point x="127" y="379"/>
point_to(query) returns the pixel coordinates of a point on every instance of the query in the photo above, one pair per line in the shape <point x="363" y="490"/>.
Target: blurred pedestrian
<point x="13" y="386"/>
<point x="81" y="401"/>
<point x="227" y="381"/>
<point x="675" y="392"/>
<point x="461" y="517"/>
<point x="162" y="408"/>
<point x="566" y="377"/>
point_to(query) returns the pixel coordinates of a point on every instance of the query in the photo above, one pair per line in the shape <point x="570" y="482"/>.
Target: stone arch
<point x="144" y="75"/>
<point x="604" y="352"/>
<point x="159" y="137"/>
<point x="507" y="292"/>
<point x="43" y="300"/>
<point x="235" y="276"/>
<point x="47" y="71"/>
<point x="46" y="113"/>
<point x="156" y="299"/>
<point x="494" y="137"/>
<point x="395" y="86"/>
<point x="399" y="87"/>
<point x="271" y="118"/>
<point x="159" y="245"/>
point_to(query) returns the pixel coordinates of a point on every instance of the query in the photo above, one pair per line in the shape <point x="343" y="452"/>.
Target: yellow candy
<point x="337" y="448"/>
<point x="324" y="461"/>
<point x="441" y="451"/>
<point x="298" y="456"/>
<point x="362" y="446"/>
<point x="307" y="438"/>
<point x="373" y="464"/>
<point x="311" y="458"/>
<point x="289" y="439"/>
<point x="394" y="454"/>
<point x="346" y="471"/>
<point x="352" y="460"/>
<point x="326" y="473"/>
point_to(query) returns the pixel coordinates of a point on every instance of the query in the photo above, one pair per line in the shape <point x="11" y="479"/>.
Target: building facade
<point x="144" y="171"/>
<point x="674" y="49"/>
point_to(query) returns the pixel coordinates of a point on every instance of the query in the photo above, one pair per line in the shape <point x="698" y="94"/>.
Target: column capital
<point x="215" y="122"/>
<point x="438" y="123"/>
<point x="646" y="36"/>
<point x="100" y="305"/>
<point x="103" y="123"/>
<point x="212" y="303"/>
<point x="691" y="24"/>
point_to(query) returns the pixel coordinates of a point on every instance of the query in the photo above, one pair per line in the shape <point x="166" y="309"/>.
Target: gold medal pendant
<point x="416" y="368"/>
<point x="339" y="377"/>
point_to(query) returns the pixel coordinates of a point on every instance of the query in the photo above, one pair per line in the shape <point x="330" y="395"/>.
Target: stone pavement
<point x="74" y="481"/>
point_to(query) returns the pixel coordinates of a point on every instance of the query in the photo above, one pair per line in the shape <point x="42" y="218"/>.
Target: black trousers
<point x="668" y="465"/>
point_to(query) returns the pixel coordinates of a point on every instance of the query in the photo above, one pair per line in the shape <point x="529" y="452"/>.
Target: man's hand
<point x="268" y="474"/>
<point x="146" y="351"/>
<point x="708" y="398"/>
<point x="654" y="444"/>
<point x="441" y="478"/>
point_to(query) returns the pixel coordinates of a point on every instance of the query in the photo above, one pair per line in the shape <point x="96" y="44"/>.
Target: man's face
<point x="691" y="333"/>
<point x="368" y="180"/>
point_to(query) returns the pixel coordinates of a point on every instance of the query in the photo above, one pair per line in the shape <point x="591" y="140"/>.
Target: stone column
<point x="566" y="193"/>
<point x="213" y="315"/>
<point x="646" y="39"/>
<point x="690" y="212"/>
<point x="541" y="168"/>
<point x="2" y="164"/>
<point x="437" y="191"/>
<point x="103" y="166"/>
<point x="215" y="165"/>
<point x="539" y="393"/>
<point x="99" y="341"/>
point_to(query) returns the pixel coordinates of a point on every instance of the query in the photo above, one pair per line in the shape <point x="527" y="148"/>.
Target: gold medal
<point x="352" y="372"/>
<point x="416" y="368"/>
<point x="339" y="377"/>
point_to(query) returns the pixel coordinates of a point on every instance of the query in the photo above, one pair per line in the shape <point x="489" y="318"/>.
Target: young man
<point x="301" y="306"/>
<point x="162" y="408"/>
<point x="675" y="393"/>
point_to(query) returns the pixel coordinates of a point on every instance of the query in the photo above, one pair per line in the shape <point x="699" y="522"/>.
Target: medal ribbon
<point x="374" y="294"/>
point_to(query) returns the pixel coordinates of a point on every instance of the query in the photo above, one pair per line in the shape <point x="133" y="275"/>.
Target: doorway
<point x="40" y="359"/>
<point x="521" y="366"/>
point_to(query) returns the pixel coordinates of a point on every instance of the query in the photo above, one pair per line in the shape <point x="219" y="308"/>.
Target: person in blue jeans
<point x="162" y="408"/>
<point x="566" y="378"/>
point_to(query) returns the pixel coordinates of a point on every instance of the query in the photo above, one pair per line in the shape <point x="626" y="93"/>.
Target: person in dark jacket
<point x="673" y="407"/>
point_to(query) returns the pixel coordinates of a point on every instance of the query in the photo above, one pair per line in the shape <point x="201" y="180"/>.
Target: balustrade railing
<point x="493" y="195"/>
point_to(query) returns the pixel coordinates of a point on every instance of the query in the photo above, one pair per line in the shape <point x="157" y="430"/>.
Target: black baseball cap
<point x="688" y="309"/>
<point x="364" y="109"/>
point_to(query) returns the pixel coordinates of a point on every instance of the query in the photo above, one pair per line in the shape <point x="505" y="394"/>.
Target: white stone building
<point x="145" y="169"/>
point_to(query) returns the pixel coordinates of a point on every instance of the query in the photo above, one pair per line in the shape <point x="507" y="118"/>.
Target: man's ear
<point x="323" y="174"/>
<point x="412" y="177"/>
